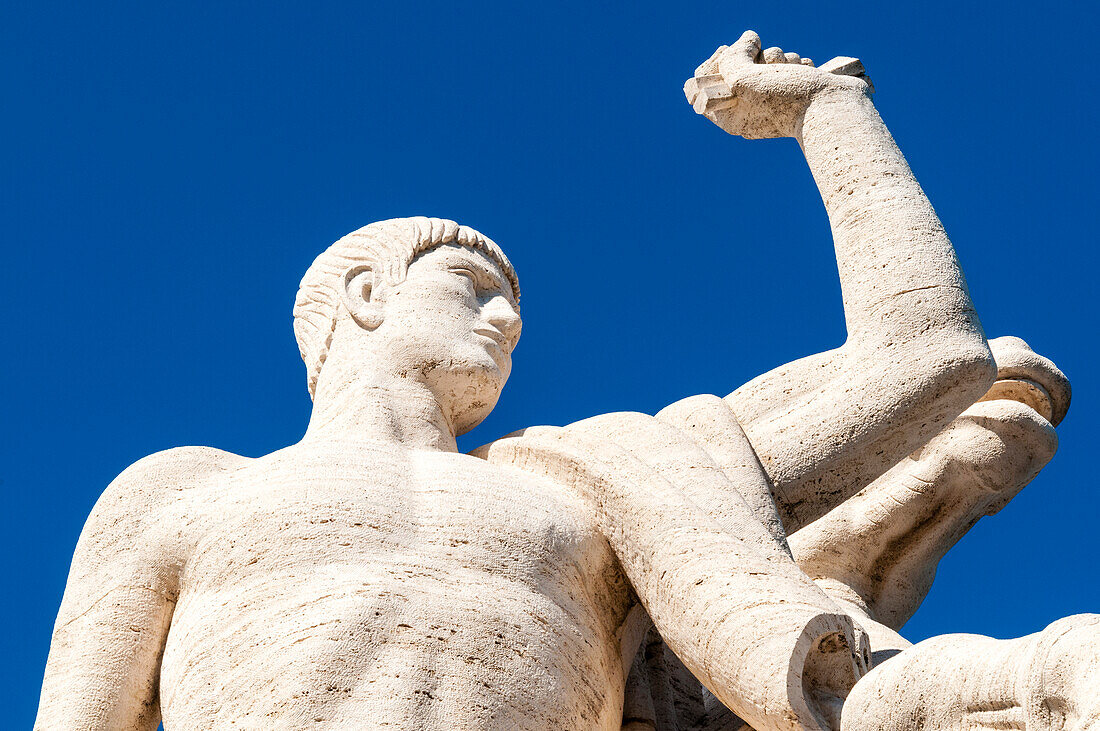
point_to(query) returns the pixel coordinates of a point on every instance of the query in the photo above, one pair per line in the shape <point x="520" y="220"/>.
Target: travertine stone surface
<point x="876" y="555"/>
<point x="879" y="549"/>
<point x="628" y="571"/>
<point x="1048" y="680"/>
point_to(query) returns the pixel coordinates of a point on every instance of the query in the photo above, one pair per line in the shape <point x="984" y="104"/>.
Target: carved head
<point x="435" y="300"/>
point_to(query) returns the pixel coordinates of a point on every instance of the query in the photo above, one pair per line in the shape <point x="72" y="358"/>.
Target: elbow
<point x="971" y="365"/>
<point x="929" y="338"/>
<point x="937" y="373"/>
<point x="957" y="371"/>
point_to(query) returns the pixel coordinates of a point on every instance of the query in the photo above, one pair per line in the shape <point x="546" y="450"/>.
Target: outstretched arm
<point x="916" y="356"/>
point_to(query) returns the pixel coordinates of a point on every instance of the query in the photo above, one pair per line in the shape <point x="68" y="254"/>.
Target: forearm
<point x="885" y="543"/>
<point x="757" y="636"/>
<point x="898" y="269"/>
<point x="915" y="356"/>
<point x="827" y="426"/>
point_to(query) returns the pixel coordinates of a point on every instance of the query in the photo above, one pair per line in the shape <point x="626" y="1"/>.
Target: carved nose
<point x="501" y="315"/>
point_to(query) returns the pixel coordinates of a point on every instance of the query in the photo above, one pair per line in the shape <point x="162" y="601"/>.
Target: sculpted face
<point x="453" y="321"/>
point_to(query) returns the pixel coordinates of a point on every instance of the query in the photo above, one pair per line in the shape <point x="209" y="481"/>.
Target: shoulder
<point x="142" y="494"/>
<point x="181" y="466"/>
<point x="136" y="534"/>
<point x="151" y="479"/>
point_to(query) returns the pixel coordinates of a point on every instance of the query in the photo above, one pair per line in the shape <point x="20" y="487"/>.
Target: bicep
<point x="110" y="630"/>
<point x="102" y="668"/>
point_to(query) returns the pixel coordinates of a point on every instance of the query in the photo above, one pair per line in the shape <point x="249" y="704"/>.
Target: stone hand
<point x="763" y="93"/>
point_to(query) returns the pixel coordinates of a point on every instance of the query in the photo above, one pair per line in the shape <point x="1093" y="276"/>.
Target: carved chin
<point x="473" y="413"/>
<point x="473" y="394"/>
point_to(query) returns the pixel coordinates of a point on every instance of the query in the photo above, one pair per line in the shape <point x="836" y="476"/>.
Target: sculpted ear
<point x="360" y="296"/>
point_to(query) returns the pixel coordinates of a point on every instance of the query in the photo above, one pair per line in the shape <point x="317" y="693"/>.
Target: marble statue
<point x="736" y="562"/>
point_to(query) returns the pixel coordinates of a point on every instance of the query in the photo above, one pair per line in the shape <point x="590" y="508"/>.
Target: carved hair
<point x="389" y="247"/>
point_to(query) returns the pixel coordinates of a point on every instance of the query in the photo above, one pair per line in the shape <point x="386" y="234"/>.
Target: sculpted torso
<point x="346" y="586"/>
<point x="371" y="576"/>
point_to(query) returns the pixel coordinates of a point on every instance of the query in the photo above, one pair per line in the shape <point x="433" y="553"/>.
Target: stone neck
<point x="372" y="404"/>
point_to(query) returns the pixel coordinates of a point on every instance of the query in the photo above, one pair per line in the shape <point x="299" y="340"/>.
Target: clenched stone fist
<point x="764" y="93"/>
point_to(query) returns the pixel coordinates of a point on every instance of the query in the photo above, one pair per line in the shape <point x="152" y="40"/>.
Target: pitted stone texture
<point x="370" y="576"/>
<point x="1048" y="680"/>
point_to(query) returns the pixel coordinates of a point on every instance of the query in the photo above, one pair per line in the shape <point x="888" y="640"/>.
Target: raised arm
<point x="104" y="661"/>
<point x="915" y="356"/>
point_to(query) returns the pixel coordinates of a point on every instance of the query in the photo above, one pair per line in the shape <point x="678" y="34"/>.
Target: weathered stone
<point x="623" y="572"/>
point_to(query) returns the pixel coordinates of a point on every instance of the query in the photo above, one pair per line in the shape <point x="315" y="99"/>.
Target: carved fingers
<point x="746" y="49"/>
<point x="848" y="66"/>
<point x="757" y="92"/>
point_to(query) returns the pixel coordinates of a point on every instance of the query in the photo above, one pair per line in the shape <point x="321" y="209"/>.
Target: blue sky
<point x="169" y="172"/>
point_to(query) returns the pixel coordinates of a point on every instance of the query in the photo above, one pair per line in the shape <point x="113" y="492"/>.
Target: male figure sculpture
<point x="370" y="576"/>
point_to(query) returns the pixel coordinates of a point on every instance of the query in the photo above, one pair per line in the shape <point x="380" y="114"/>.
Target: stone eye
<point x="469" y="275"/>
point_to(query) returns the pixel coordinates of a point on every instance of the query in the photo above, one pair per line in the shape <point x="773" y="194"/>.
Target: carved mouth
<point x="502" y="352"/>
<point x="493" y="334"/>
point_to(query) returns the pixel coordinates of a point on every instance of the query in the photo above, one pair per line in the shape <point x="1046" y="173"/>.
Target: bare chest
<point x="450" y="512"/>
<point x="338" y="578"/>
